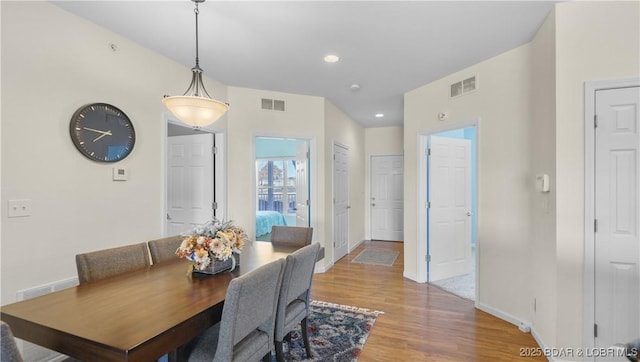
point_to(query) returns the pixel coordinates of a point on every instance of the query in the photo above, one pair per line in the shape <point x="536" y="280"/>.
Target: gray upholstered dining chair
<point x="164" y="249"/>
<point x="105" y="263"/>
<point x="295" y="236"/>
<point x="293" y="302"/>
<point x="245" y="332"/>
<point x="8" y="349"/>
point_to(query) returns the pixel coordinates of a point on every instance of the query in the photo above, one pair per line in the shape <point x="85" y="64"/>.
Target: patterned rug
<point x="336" y="333"/>
<point x="376" y="256"/>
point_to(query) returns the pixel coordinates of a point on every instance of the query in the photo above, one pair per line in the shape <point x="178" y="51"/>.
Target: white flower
<point x="202" y="261"/>
<point x="200" y="240"/>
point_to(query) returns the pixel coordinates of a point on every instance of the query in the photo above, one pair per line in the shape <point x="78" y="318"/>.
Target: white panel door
<point x="190" y="182"/>
<point x="617" y="247"/>
<point x="387" y="198"/>
<point x="449" y="190"/>
<point x="340" y="201"/>
<point x="302" y="184"/>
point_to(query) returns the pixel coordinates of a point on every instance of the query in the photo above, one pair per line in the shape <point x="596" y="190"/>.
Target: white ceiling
<point x="387" y="47"/>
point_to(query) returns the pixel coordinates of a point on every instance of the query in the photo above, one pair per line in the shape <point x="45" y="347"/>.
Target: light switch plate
<point x="20" y="208"/>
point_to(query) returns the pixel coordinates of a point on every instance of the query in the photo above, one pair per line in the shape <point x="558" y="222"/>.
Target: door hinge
<point x="334" y="157"/>
<point x="427" y="204"/>
<point x="308" y="154"/>
<point x="595" y="330"/>
<point x="595" y="121"/>
<point x="595" y="225"/>
<point x="214" y="205"/>
<point x="308" y="203"/>
<point x="427" y="152"/>
<point x="214" y="150"/>
<point x="427" y="258"/>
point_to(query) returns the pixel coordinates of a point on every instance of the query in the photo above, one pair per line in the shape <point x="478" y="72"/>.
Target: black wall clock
<point x="102" y="132"/>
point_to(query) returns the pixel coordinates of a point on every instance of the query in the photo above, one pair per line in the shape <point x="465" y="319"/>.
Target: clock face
<point x="102" y="132"/>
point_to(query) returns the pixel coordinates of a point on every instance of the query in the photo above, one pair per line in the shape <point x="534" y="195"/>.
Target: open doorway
<point x="450" y="214"/>
<point x="282" y="184"/>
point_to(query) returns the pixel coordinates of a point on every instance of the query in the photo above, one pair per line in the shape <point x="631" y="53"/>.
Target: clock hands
<point x="103" y="133"/>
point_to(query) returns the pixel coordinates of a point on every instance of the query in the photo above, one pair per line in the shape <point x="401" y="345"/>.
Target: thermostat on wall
<point x="120" y="174"/>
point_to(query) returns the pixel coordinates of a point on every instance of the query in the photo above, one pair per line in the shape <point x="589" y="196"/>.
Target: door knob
<point x="468" y="213"/>
<point x="348" y="206"/>
<point x="373" y="204"/>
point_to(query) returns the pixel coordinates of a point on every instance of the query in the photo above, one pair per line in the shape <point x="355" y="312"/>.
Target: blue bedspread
<point x="266" y="219"/>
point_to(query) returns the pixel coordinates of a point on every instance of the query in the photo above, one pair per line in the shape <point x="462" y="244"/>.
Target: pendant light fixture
<point x="196" y="107"/>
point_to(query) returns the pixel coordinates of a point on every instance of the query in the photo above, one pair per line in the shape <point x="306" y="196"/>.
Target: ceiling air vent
<point x="463" y="87"/>
<point x="272" y="104"/>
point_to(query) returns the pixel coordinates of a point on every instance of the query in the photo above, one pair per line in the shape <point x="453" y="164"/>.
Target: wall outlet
<point x="20" y="208"/>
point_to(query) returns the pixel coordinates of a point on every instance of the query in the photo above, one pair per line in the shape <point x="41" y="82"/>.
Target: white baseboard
<point x="322" y="268"/>
<point x="541" y="344"/>
<point x="353" y="247"/>
<point x="521" y="324"/>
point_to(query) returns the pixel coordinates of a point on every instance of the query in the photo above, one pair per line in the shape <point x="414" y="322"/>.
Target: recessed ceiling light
<point x="331" y="58"/>
<point x="379" y="115"/>
<point x="355" y="87"/>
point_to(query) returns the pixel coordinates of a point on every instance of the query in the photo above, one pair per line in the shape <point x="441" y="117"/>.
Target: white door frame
<point x="422" y="195"/>
<point x="590" y="89"/>
<point x="313" y="176"/>
<point x="220" y="183"/>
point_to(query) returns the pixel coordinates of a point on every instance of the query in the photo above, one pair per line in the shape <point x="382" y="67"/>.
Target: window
<point x="276" y="185"/>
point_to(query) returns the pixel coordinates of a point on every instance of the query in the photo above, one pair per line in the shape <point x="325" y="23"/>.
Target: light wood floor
<point x="421" y="322"/>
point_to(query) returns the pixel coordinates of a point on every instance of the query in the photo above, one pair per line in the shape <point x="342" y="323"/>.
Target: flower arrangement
<point x="215" y="240"/>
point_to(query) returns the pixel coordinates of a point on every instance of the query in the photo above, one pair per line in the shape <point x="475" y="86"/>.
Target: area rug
<point x="376" y="256"/>
<point x="336" y="333"/>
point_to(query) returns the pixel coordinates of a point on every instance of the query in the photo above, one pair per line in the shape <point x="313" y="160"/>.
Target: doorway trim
<point x="313" y="175"/>
<point x="423" y="137"/>
<point x="220" y="168"/>
<point x="590" y="89"/>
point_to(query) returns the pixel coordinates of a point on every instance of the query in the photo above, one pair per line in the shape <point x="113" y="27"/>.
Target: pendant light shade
<point x="195" y="107"/>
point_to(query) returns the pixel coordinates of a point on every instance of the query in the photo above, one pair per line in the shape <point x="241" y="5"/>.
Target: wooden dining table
<point x="135" y="316"/>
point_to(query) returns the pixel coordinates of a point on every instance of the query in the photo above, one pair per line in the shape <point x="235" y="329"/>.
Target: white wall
<point x="303" y="118"/>
<point x="543" y="207"/>
<point x="381" y="141"/>
<point x="344" y="131"/>
<point x="532" y="122"/>
<point x="52" y="63"/>
<point x="594" y="40"/>
<point x="505" y="182"/>
<point x="66" y="62"/>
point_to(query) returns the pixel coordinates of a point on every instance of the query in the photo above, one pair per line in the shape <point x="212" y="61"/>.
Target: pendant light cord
<point x="197" y="11"/>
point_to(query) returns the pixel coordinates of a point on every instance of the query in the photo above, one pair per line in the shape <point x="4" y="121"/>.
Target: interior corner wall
<point x="505" y="184"/>
<point x="594" y="41"/>
<point x="53" y="62"/>
<point x="303" y="118"/>
<point x="341" y="129"/>
<point x="380" y="141"/>
<point x="543" y="204"/>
